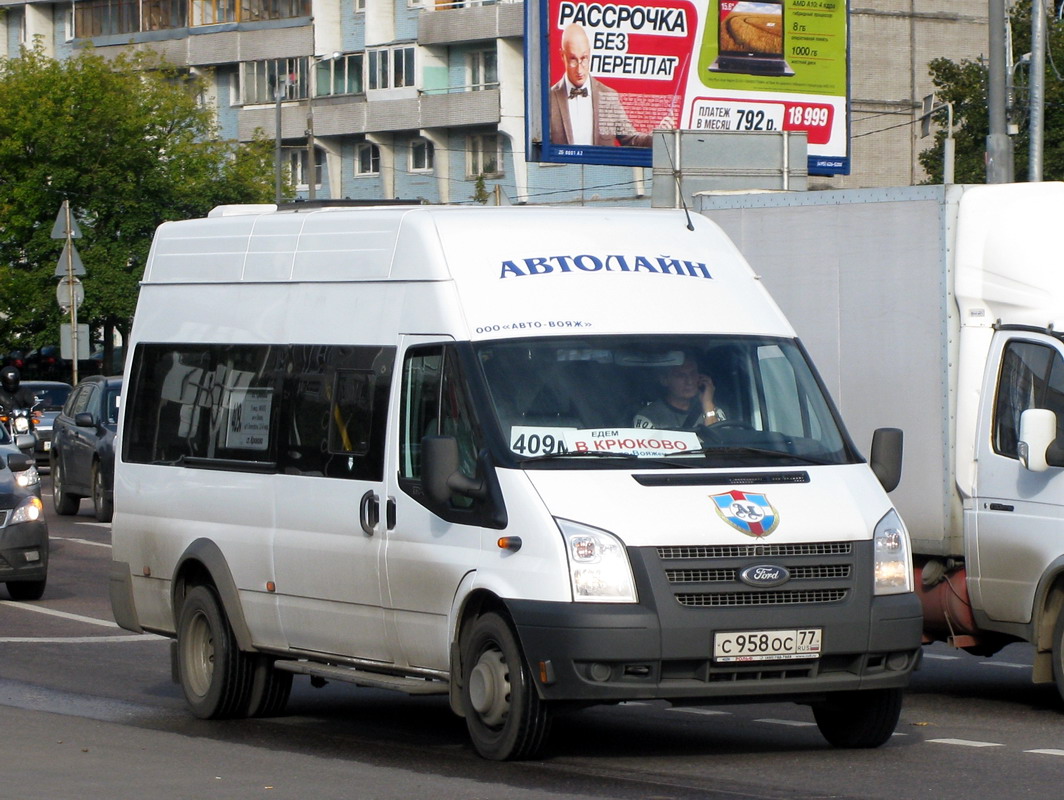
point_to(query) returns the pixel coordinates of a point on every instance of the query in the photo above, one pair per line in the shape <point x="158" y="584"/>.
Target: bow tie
<point x="577" y="93"/>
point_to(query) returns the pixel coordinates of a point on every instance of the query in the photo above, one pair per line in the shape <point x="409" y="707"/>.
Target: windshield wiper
<point x="744" y="450"/>
<point x="578" y="454"/>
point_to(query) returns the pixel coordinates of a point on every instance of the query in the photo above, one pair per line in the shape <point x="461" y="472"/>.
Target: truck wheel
<point x="270" y="688"/>
<point x="26" y="590"/>
<point x="104" y="508"/>
<point x="1058" y="652"/>
<point x="859" y="719"/>
<point x="215" y="675"/>
<point x="504" y="715"/>
<point x="65" y="504"/>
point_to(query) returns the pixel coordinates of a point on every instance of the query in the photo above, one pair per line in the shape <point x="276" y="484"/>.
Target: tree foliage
<point x="965" y="85"/>
<point x="129" y="144"/>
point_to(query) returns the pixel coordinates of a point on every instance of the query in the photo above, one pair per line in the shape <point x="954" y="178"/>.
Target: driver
<point x="12" y="396"/>
<point x="688" y="400"/>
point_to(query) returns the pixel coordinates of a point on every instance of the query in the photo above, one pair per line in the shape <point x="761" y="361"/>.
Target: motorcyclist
<point x="12" y="395"/>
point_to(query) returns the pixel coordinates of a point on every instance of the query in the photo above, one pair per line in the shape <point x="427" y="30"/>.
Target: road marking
<point x="706" y="712"/>
<point x="966" y="743"/>
<point x="133" y="637"/>
<point x="941" y="657"/>
<point x="95" y="524"/>
<point x="1004" y="664"/>
<point x="79" y="541"/>
<point x="1047" y="752"/>
<point x="794" y="723"/>
<point x="64" y="614"/>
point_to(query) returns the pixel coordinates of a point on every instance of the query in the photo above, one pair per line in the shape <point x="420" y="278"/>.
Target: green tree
<point x="130" y="144"/>
<point x="965" y="85"/>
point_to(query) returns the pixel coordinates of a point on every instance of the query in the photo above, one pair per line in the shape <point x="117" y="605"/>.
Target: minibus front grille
<point x="733" y="576"/>
<point x="736" y="599"/>
<point x="814" y="573"/>
<point x="756" y="550"/>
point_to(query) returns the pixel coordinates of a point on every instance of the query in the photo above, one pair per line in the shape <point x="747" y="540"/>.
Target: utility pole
<point x="1036" y="80"/>
<point x="999" y="163"/>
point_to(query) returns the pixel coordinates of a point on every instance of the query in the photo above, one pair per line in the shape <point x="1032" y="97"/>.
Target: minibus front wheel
<point x="504" y="714"/>
<point x="215" y="675"/>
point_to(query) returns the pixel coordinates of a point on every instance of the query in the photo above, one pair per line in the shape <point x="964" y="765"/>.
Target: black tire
<point x="104" y="508"/>
<point x="1057" y="654"/>
<point x="270" y="689"/>
<point x="504" y="714"/>
<point x="26" y="590"/>
<point x="64" y="503"/>
<point x="859" y="719"/>
<point x="215" y="676"/>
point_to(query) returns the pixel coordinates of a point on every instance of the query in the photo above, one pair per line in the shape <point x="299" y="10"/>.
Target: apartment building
<point x="416" y="99"/>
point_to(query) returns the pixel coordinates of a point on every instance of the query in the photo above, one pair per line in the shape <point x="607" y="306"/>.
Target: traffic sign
<point x="69" y="289"/>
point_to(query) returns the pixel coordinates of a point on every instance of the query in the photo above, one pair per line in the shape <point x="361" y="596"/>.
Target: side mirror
<point x="83" y="419"/>
<point x="1038" y="429"/>
<point x="24" y="441"/>
<point x="886" y="457"/>
<point x="16" y="462"/>
<point x="440" y="474"/>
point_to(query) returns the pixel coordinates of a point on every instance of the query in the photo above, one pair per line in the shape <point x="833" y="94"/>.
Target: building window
<point x="258" y="79"/>
<point x="341" y="75"/>
<point x="297" y="162"/>
<point x="163" y="14"/>
<point x="360" y="5"/>
<point x="367" y="159"/>
<point x="391" y="67"/>
<point x="483" y="70"/>
<point x="212" y="12"/>
<point x="422" y="155"/>
<point x="483" y="156"/>
<point x="105" y="17"/>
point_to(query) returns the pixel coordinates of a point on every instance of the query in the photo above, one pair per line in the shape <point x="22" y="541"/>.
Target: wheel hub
<point x="489" y="688"/>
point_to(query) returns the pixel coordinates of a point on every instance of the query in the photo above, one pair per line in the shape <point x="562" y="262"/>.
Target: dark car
<point x="82" y="454"/>
<point x="51" y="397"/>
<point x="23" y="530"/>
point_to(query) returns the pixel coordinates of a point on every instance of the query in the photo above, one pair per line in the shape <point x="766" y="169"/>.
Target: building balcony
<point x="457" y="22"/>
<point x="350" y="115"/>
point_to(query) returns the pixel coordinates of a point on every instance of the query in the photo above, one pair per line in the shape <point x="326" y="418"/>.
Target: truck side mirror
<point x="440" y="474"/>
<point x="1038" y="429"/>
<point x="886" y="457"/>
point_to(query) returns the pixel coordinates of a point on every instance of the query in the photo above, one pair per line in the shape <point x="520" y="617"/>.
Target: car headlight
<point x="598" y="565"/>
<point x="29" y="510"/>
<point x="28" y="477"/>
<point x="893" y="563"/>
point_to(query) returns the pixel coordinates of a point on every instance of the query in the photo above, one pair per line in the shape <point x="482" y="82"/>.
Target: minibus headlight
<point x="893" y="563"/>
<point x="598" y="565"/>
<point x="28" y="477"/>
<point x="29" y="510"/>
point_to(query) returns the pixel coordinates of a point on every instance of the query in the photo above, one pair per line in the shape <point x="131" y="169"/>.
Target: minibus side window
<point x="300" y="409"/>
<point x="435" y="402"/>
<point x="336" y="401"/>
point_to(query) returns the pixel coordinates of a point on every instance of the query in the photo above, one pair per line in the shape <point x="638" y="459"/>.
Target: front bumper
<point x="24" y="551"/>
<point x="662" y="648"/>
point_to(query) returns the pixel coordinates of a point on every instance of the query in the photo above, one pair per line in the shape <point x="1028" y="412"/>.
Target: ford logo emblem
<point x="765" y="576"/>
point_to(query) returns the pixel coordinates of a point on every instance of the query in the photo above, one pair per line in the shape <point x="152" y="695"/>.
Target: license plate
<point x="47" y="446"/>
<point x="781" y="645"/>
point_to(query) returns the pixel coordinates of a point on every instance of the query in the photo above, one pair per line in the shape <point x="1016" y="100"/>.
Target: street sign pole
<point x="69" y="266"/>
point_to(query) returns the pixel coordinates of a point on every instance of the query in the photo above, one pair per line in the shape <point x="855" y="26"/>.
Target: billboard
<point x="604" y="74"/>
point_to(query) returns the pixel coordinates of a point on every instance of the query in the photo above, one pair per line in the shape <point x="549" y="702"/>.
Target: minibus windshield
<point x="663" y="399"/>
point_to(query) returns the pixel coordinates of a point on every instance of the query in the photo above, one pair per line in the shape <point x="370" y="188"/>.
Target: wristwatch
<point x="716" y="415"/>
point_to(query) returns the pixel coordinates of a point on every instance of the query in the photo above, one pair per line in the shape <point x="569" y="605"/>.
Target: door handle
<point x="389" y="513"/>
<point x="369" y="512"/>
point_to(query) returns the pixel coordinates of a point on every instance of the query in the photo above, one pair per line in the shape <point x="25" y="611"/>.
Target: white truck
<point x="939" y="310"/>
<point x="429" y="449"/>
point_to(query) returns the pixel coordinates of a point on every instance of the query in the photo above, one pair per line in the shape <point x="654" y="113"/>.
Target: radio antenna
<point x="676" y="178"/>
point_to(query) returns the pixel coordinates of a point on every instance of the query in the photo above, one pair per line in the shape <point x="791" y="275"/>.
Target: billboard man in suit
<point x="582" y="109"/>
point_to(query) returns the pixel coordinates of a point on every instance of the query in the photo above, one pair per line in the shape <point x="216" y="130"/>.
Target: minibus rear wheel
<point x="504" y="714"/>
<point x="215" y="675"/>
